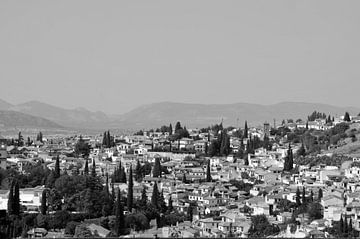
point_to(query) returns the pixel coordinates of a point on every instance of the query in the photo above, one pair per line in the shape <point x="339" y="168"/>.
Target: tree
<point x="208" y="172"/>
<point x="260" y="227"/>
<point x="138" y="174"/>
<point x="10" y="205"/>
<point x="20" y="140"/>
<point x="315" y="211"/>
<point x="184" y="180"/>
<point x="177" y="126"/>
<point x="347" y="117"/>
<point x="16" y="205"/>
<point x="144" y="199"/>
<point x="320" y="194"/>
<point x="157" y="168"/>
<point x="303" y="196"/>
<point x="298" y="203"/>
<point x="289" y="161"/>
<point x="155" y="196"/>
<point x="170" y="205"/>
<point x="93" y="169"/>
<point x="189" y="213"/>
<point x="82" y="148"/>
<point x="119" y="221"/>
<point x="246" y="130"/>
<point x="130" y="191"/>
<point x="57" y="167"/>
<point x="86" y="168"/>
<point x="170" y="129"/>
<point x="301" y="151"/>
<point x="43" y="203"/>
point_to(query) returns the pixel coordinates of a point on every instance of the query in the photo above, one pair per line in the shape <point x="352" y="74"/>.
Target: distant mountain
<point x="73" y="118"/>
<point x="12" y="119"/>
<point x="202" y="115"/>
<point x="4" y="105"/>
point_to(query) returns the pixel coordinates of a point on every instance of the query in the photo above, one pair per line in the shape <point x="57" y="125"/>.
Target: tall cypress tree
<point x="138" y="174"/>
<point x="289" y="161"/>
<point x="208" y="172"/>
<point x="298" y="202"/>
<point x="93" y="169"/>
<point x="303" y="196"/>
<point x="170" y="205"/>
<point x="119" y="221"/>
<point x="57" y="167"/>
<point x="155" y="196"/>
<point x="16" y="198"/>
<point x="130" y="191"/>
<point x="10" y="205"/>
<point x="320" y="194"/>
<point x="43" y="203"/>
<point x="144" y="199"/>
<point x="86" y="168"/>
<point x="108" y="139"/>
<point x="341" y="225"/>
<point x="170" y="129"/>
<point x="157" y="168"/>
<point x="246" y="130"/>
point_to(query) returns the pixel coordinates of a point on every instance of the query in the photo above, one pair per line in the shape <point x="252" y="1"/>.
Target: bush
<point x="70" y="227"/>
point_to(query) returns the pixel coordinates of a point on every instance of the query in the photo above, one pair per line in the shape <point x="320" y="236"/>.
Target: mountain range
<point x="38" y="114"/>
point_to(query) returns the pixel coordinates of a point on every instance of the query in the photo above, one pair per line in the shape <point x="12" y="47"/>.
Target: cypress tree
<point x="130" y="191"/>
<point x="298" y="203"/>
<point x="351" y="230"/>
<point x="119" y="221"/>
<point x="289" y="161"/>
<point x="170" y="129"/>
<point x="10" y="205"/>
<point x="346" y="227"/>
<point x="303" y="196"/>
<point x="144" y="199"/>
<point x="190" y="213"/>
<point x="16" y="198"/>
<point x="155" y="196"/>
<point x="122" y="175"/>
<point x="208" y="172"/>
<point x="138" y="174"/>
<point x="104" y="139"/>
<point x="347" y="117"/>
<point x="162" y="204"/>
<point x="86" y="168"/>
<point x="43" y="203"/>
<point x="157" y="168"/>
<point x="93" y="169"/>
<point x="246" y="130"/>
<point x="108" y="139"/>
<point x="57" y="167"/>
<point x="341" y="225"/>
<point x="170" y="205"/>
<point x="320" y="194"/>
<point x="184" y="178"/>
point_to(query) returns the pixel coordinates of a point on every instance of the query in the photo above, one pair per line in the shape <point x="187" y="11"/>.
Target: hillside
<point x="12" y="119"/>
<point x="4" y="105"/>
<point x="74" y="118"/>
<point x="200" y="115"/>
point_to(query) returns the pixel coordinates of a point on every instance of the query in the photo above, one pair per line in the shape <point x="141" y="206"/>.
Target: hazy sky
<point x="116" y="55"/>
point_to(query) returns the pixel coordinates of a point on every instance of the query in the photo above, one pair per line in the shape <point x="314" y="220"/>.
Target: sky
<point x="116" y="55"/>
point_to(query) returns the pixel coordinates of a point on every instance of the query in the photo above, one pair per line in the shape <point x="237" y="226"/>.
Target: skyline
<point x="116" y="56"/>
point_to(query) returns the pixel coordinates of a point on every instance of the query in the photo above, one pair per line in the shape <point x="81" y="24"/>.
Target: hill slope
<point x="4" y="105"/>
<point x="75" y="118"/>
<point x="12" y="119"/>
<point x="201" y="115"/>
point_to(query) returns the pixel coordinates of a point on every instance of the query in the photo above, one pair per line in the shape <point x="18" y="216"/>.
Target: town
<point x="278" y="181"/>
